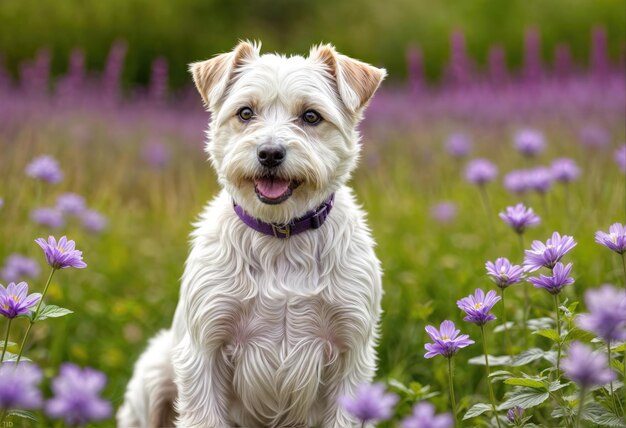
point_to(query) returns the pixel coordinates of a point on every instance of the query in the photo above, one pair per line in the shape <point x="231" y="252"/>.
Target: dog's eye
<point x="245" y="114"/>
<point x="311" y="117"/>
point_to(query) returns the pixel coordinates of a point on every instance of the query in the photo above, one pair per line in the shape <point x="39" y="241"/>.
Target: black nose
<point x="270" y="155"/>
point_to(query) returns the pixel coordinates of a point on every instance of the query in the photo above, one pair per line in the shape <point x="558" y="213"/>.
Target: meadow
<point x="138" y="160"/>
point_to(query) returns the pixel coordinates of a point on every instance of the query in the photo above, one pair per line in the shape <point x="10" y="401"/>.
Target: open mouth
<point x="274" y="190"/>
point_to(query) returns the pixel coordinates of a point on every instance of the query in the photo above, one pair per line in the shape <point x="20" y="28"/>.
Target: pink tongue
<point x="271" y="188"/>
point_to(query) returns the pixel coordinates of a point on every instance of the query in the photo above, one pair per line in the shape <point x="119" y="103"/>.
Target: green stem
<point x="19" y="354"/>
<point x="608" y="347"/>
<point x="491" y="394"/>
<point x="451" y="388"/>
<point x="507" y="339"/>
<point x="35" y="314"/>
<point x="526" y="298"/>
<point x="6" y="340"/>
<point x="624" y="267"/>
<point x="558" y="330"/>
<point x="580" y="408"/>
<point x="624" y="379"/>
<point x="488" y="211"/>
<point x="544" y="203"/>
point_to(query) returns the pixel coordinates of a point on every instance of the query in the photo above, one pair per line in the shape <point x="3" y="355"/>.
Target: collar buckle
<point x="281" y="232"/>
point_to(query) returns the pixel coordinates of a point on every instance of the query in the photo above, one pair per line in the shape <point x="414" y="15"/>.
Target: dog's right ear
<point x="212" y="76"/>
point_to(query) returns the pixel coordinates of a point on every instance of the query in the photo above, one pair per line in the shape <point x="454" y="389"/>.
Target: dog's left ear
<point x="213" y="75"/>
<point x="356" y="80"/>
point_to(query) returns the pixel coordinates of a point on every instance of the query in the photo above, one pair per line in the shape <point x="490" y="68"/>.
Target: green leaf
<point x="24" y="414"/>
<point x="617" y="365"/>
<point x="525" y="398"/>
<point x="550" y="356"/>
<point x="400" y="387"/>
<point x="572" y="307"/>
<point x="620" y="348"/>
<point x="544" y="323"/>
<point x="531" y="383"/>
<point x="477" y="410"/>
<point x="578" y="334"/>
<point x="597" y="414"/>
<point x="10" y="356"/>
<point x="500" y="375"/>
<point x="551" y="334"/>
<point x="494" y="360"/>
<point x="502" y="327"/>
<point x="527" y="357"/>
<point x="556" y="385"/>
<point x="52" y="311"/>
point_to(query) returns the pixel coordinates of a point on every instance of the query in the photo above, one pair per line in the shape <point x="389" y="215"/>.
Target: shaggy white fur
<point x="268" y="331"/>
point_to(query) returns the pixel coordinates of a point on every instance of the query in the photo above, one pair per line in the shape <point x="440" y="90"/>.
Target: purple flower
<point x="585" y="367"/>
<point x="17" y="266"/>
<point x="529" y="142"/>
<point x="504" y="273"/>
<point x="49" y="217"/>
<point x="477" y="307"/>
<point x="446" y="340"/>
<point x="15" y="301"/>
<point x="565" y="170"/>
<point x="20" y="386"/>
<point x="594" y="136"/>
<point x="519" y="217"/>
<point x="63" y="254"/>
<point x="554" y="284"/>
<point x="546" y="255"/>
<point x="458" y="145"/>
<point x="70" y="203"/>
<point x="77" y="396"/>
<point x="93" y="221"/>
<point x="480" y="171"/>
<point x="1" y="202"/>
<point x="45" y="168"/>
<point x="515" y="414"/>
<point x="539" y="179"/>
<point x="516" y="181"/>
<point x="444" y="212"/>
<point x="620" y="157"/>
<point x="370" y="403"/>
<point x="155" y="154"/>
<point x="614" y="240"/>
<point x="424" y="417"/>
<point x="607" y="313"/>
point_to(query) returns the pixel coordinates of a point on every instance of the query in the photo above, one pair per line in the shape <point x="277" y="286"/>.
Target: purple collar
<point x="311" y="220"/>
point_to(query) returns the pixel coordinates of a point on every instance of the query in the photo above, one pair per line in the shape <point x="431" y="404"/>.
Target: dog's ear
<point x="356" y="80"/>
<point x="212" y="76"/>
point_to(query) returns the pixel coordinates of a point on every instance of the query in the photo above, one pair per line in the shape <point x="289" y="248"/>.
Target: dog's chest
<point x="284" y="338"/>
<point x="288" y="310"/>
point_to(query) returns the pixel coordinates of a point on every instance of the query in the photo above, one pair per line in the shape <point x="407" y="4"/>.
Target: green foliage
<point x="524" y="398"/>
<point x="477" y="410"/>
<point x="527" y="382"/>
<point x="51" y="311"/>
<point x="550" y="334"/>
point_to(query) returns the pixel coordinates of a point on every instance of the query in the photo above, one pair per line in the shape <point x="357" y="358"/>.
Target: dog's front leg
<point x="202" y="387"/>
<point x="355" y="367"/>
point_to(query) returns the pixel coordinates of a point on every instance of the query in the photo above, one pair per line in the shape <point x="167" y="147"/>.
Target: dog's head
<point x="283" y="131"/>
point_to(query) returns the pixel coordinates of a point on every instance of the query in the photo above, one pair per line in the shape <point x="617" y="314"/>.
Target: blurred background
<point x="102" y="88"/>
<point x="377" y="32"/>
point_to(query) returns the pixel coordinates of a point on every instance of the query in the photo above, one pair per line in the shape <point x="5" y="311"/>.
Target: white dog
<point x="280" y="298"/>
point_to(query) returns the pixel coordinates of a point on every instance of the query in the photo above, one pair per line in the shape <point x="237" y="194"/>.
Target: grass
<point x="130" y="288"/>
